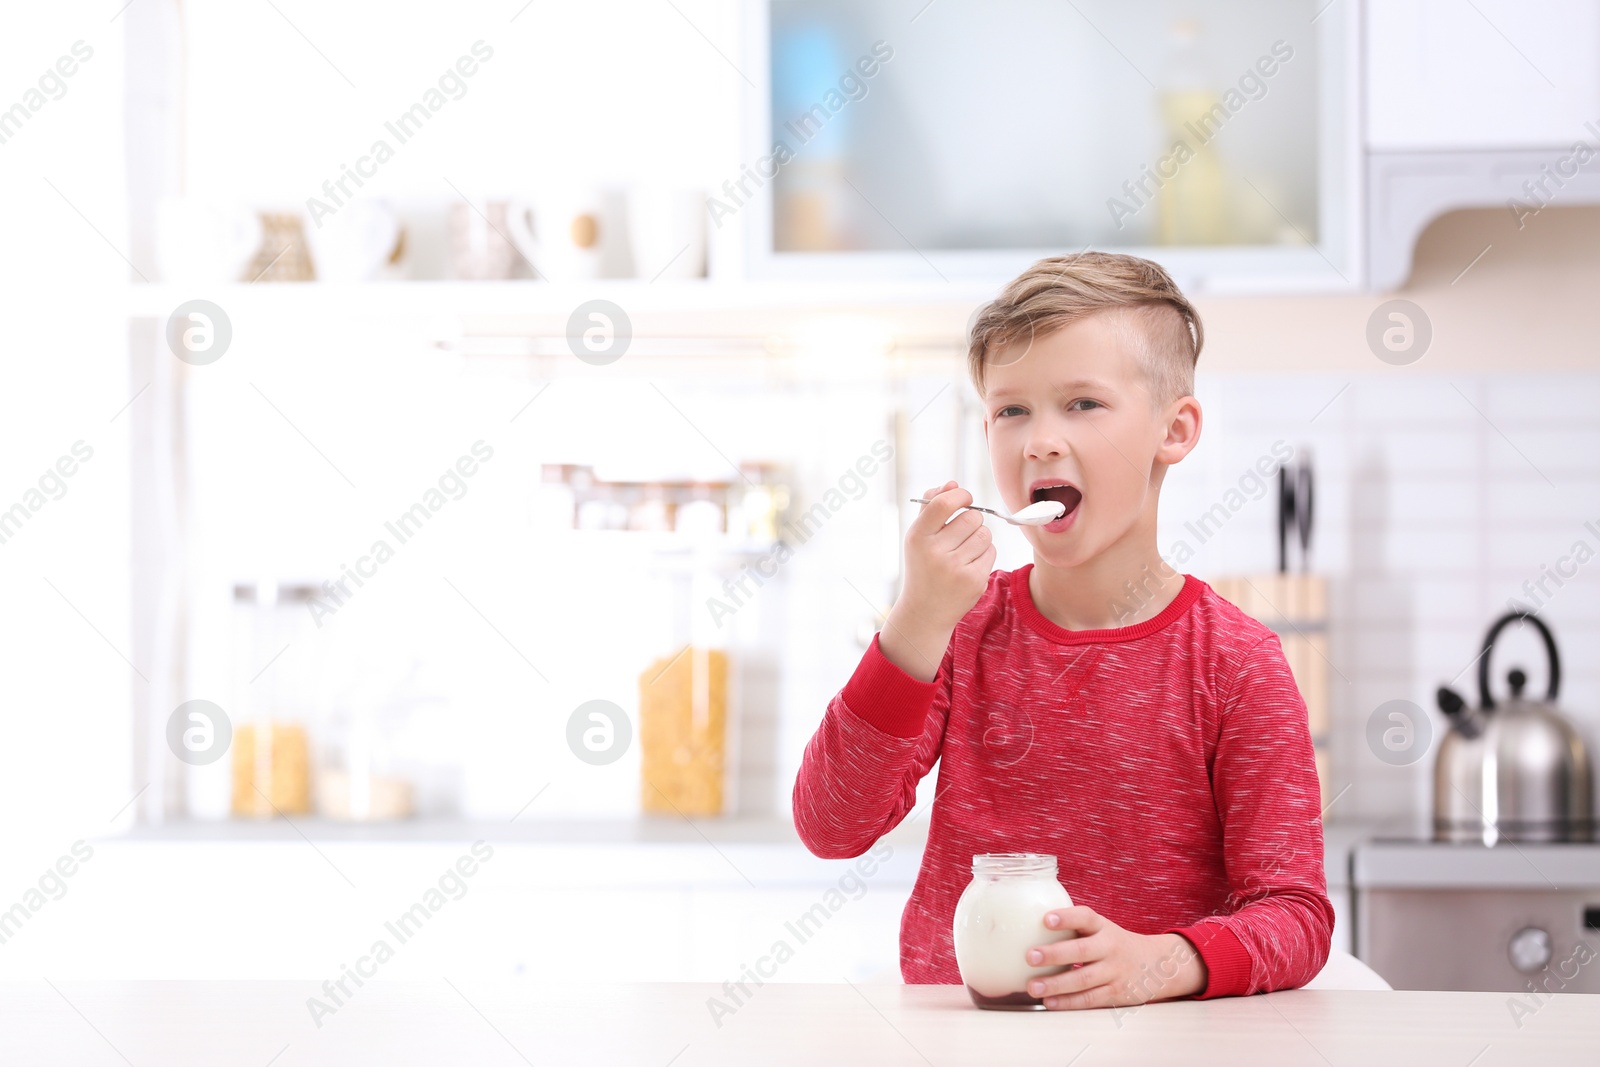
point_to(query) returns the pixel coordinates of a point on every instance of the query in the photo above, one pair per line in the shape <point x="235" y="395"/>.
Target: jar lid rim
<point x="1012" y="862"/>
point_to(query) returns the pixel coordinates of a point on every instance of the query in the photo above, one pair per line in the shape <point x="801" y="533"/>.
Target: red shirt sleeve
<point x="1279" y="926"/>
<point x="878" y="737"/>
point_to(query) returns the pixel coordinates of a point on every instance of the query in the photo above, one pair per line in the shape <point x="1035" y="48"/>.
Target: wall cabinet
<point x="1420" y="107"/>
<point x="1481" y="104"/>
<point x="1486" y="75"/>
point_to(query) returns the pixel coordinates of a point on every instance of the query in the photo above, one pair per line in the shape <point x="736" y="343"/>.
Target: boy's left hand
<point x="1115" y="966"/>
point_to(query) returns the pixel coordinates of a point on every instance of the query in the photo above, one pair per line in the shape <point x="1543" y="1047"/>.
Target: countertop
<point x="1406" y="864"/>
<point x="910" y="835"/>
<point x="640" y="830"/>
<point x="762" y="849"/>
<point x="657" y="1025"/>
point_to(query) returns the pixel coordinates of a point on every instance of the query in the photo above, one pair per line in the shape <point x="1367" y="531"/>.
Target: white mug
<point x="355" y="243"/>
<point x="202" y="241"/>
<point x="668" y="227"/>
<point x="572" y="234"/>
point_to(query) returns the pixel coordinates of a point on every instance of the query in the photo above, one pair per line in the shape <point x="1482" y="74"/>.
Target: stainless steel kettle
<point x="1516" y="771"/>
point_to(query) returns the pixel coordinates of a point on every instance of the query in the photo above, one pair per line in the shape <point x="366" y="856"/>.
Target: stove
<point x="1512" y="917"/>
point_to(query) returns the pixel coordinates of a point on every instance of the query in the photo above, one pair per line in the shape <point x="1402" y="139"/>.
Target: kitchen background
<point x="579" y="508"/>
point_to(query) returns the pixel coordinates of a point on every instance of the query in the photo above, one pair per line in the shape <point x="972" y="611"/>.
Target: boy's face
<point x="1069" y="417"/>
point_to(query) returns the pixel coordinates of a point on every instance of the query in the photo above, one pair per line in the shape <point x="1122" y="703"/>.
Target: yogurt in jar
<point x="999" y="917"/>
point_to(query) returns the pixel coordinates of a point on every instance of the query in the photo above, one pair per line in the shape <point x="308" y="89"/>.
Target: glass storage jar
<point x="999" y="917"/>
<point x="688" y="697"/>
<point x="272" y="695"/>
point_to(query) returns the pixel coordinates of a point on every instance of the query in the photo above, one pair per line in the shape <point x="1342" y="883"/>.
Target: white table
<point x="174" y="1024"/>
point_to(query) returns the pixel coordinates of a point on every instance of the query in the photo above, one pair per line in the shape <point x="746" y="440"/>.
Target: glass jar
<point x="689" y="696"/>
<point x="272" y="694"/>
<point x="999" y="917"/>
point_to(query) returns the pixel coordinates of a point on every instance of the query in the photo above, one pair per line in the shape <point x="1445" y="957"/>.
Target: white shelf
<point x="419" y="299"/>
<point x="505" y="318"/>
<point x="670" y="543"/>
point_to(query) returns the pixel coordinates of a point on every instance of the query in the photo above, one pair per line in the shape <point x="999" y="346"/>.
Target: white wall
<point x="64" y="576"/>
<point x="617" y="90"/>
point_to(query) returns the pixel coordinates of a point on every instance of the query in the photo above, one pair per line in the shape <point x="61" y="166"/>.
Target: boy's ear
<point x="1182" y="420"/>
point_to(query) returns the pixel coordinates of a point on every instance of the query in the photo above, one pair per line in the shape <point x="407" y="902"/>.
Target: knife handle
<point x="1302" y="511"/>
<point x="1285" y="516"/>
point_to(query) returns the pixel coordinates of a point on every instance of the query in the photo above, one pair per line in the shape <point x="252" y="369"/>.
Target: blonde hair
<point x="1157" y="319"/>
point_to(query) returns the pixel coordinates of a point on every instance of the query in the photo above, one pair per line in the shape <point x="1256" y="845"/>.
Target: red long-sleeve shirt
<point x="1167" y="765"/>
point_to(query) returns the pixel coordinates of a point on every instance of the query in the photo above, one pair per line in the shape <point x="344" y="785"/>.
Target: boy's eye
<point x="1017" y="409"/>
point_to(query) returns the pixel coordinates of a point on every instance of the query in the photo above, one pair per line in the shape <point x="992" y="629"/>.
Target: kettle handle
<point x="1484" y="697"/>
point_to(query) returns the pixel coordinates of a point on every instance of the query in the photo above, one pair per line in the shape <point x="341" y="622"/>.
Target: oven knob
<point x="1530" y="949"/>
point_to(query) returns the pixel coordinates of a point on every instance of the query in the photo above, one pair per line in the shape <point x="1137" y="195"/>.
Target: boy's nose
<point x="1046" y="444"/>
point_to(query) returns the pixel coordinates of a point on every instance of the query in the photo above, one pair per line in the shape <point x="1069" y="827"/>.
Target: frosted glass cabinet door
<point x="1033" y="124"/>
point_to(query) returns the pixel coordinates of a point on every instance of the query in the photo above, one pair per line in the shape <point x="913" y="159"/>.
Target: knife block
<point x="1295" y="607"/>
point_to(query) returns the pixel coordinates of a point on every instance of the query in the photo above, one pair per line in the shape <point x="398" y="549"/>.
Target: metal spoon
<point x="1036" y="514"/>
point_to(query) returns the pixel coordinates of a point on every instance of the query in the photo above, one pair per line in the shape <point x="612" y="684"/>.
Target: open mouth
<point x="1068" y="495"/>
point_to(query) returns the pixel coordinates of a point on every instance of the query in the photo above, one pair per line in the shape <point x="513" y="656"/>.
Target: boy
<point x="1094" y="704"/>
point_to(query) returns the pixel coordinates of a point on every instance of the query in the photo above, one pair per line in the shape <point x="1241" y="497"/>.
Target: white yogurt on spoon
<point x="1037" y="514"/>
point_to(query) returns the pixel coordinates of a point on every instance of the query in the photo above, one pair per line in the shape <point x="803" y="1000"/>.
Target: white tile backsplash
<point x="1543" y="400"/>
<point x="1432" y="548"/>
<point x="1411" y="451"/>
<point x="1544" y="452"/>
<point x="1407" y="402"/>
<point x="1432" y="509"/>
<point x="1419" y="501"/>
<point x="1575" y="498"/>
<point x="1439" y="599"/>
<point x="1537" y="545"/>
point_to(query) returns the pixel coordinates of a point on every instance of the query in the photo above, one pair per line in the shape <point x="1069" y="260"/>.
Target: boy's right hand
<point x="948" y="562"/>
